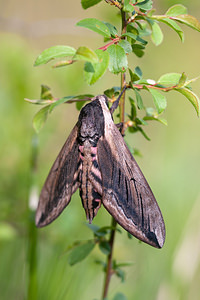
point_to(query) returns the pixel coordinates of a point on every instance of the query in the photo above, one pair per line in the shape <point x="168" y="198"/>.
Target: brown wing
<point x="61" y="182"/>
<point x="126" y="193"/>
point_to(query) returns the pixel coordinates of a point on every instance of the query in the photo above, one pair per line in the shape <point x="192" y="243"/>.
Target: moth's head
<point x="101" y="99"/>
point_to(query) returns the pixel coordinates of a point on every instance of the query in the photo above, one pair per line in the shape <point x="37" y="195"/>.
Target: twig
<point x="109" y="271"/>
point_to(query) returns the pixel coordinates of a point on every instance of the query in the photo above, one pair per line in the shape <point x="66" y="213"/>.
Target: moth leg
<point x="120" y="126"/>
<point x="116" y="103"/>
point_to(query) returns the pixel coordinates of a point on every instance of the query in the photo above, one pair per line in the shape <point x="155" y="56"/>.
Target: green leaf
<point x="46" y="96"/>
<point x="126" y="264"/>
<point x="174" y="26"/>
<point x="105" y="230"/>
<point x="134" y="37"/>
<point x="131" y="28"/>
<point x="80" y="252"/>
<point x="40" y="118"/>
<point x="60" y="101"/>
<point x="138" y="71"/>
<point x="177" y="9"/>
<point x="143" y="29"/>
<point x="113" y="92"/>
<point x="93" y="72"/>
<point x="131" y="35"/>
<point x="182" y="80"/>
<point x="95" y="25"/>
<point x="157" y="35"/>
<point x="120" y="273"/>
<point x="140" y="121"/>
<point x="79" y="105"/>
<point x="54" y="52"/>
<point x="169" y="79"/>
<point x="46" y="93"/>
<point x="133" y="109"/>
<point x="126" y="46"/>
<point x="189" y="21"/>
<point x="93" y="227"/>
<point x="100" y="232"/>
<point x="88" y="3"/>
<point x="127" y="6"/>
<point x="145" y="5"/>
<point x="189" y="81"/>
<point x="159" y="100"/>
<point x="155" y="118"/>
<point x="112" y="29"/>
<point x="104" y="246"/>
<point x="119" y="296"/>
<point x="140" y="104"/>
<point x="151" y="112"/>
<point x="143" y="133"/>
<point x="118" y="59"/>
<point x="138" y="50"/>
<point x="191" y="96"/>
<point x="102" y="263"/>
<point x="134" y="76"/>
<point x="85" y="53"/>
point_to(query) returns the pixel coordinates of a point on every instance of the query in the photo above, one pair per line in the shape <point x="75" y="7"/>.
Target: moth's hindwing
<point x="126" y="194"/>
<point x="61" y="182"/>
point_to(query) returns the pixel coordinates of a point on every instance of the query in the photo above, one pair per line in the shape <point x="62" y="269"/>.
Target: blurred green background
<point x="170" y="160"/>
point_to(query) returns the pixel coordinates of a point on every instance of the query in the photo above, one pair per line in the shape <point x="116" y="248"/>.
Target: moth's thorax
<point x="91" y="123"/>
<point x="90" y="198"/>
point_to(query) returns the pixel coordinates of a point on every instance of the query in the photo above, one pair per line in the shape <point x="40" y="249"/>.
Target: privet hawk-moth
<point x="96" y="160"/>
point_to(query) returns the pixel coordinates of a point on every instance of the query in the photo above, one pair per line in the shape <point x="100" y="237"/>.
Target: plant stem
<point x="109" y="259"/>
<point x="109" y="270"/>
<point x="122" y="102"/>
<point x="123" y="78"/>
<point x="32" y="230"/>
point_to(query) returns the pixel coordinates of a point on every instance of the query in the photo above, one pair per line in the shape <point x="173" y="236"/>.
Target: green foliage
<point x="118" y="60"/>
<point x="94" y="71"/>
<point x="54" y="52"/>
<point x="84" y="53"/>
<point x="88" y="3"/>
<point x="96" y="26"/>
<point x="159" y="101"/>
<point x="80" y="252"/>
<point x="114" y="56"/>
<point x="119" y="296"/>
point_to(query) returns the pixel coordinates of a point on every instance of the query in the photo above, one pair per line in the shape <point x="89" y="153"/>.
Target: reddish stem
<point x="114" y="41"/>
<point x="166" y="89"/>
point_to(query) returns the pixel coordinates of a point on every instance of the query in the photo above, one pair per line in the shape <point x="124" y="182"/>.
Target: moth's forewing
<point x="126" y="193"/>
<point x="114" y="175"/>
<point x="61" y="182"/>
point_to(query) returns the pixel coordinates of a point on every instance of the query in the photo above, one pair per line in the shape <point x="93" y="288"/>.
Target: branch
<point x="109" y="259"/>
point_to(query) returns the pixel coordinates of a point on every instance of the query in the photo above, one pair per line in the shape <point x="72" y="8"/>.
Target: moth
<point x="96" y="160"/>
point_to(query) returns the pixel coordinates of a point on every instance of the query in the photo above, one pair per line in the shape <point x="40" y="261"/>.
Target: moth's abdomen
<point x="89" y="175"/>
